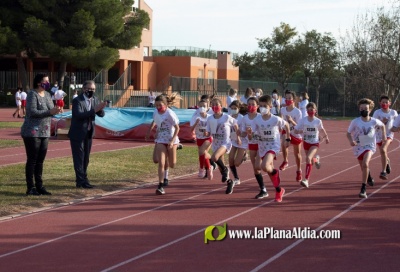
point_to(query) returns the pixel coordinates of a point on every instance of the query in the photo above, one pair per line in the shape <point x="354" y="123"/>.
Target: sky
<point x="235" y="26"/>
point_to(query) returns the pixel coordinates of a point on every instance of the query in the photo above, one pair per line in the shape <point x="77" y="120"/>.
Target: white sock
<point x="166" y="174"/>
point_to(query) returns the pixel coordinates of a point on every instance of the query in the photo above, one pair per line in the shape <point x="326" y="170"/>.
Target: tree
<point x="371" y="52"/>
<point x="281" y="58"/>
<point x="321" y="59"/>
<point x="84" y="33"/>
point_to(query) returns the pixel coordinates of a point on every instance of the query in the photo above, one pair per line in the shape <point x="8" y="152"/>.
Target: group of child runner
<point x="255" y="129"/>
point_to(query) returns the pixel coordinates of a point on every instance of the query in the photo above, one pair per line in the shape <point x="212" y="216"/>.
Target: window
<point x="135" y="5"/>
<point x="200" y="77"/>
<point x="145" y="51"/>
<point x="210" y="80"/>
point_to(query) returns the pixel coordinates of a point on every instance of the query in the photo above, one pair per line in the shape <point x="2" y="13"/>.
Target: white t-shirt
<point x="295" y="113"/>
<point x="201" y="126"/>
<point x="364" y="133"/>
<point x="243" y="99"/>
<point x="390" y="116"/>
<point x="220" y="129"/>
<point x="275" y="105"/>
<point x="18" y="98"/>
<point x="165" y="126"/>
<point x="152" y="99"/>
<point x="247" y="122"/>
<point x="303" y="107"/>
<point x="244" y="140"/>
<point x="269" y="138"/>
<point x="23" y="95"/>
<point x="59" y="95"/>
<point x="229" y="100"/>
<point x="310" y="129"/>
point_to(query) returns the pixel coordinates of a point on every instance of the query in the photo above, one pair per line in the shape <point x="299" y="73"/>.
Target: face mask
<point x="364" y="113"/>
<point x="264" y="110"/>
<point x="275" y="96"/>
<point x="257" y="94"/>
<point x="202" y="109"/>
<point x="385" y="106"/>
<point x="301" y="98"/>
<point x="161" y="109"/>
<point x="311" y="113"/>
<point x="45" y="85"/>
<point x="289" y="102"/>
<point x="234" y="112"/>
<point x="89" y="94"/>
<point x="216" y="109"/>
<point x="252" y="109"/>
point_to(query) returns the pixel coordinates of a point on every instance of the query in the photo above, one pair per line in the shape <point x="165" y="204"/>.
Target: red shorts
<point x="23" y="103"/>
<point x="269" y="152"/>
<point x="200" y="142"/>
<point x="380" y="143"/>
<point x="307" y="146"/>
<point x="60" y="103"/>
<point x="253" y="147"/>
<point x="361" y="157"/>
<point x="295" y="141"/>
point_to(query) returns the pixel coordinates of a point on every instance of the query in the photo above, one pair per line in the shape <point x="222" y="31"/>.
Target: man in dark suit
<point x="85" y="107"/>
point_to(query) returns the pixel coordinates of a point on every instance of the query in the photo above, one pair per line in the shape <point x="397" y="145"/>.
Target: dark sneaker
<point x="166" y="182"/>
<point x="160" y="190"/>
<point x="229" y="187"/>
<point x="43" y="191"/>
<point x="180" y="146"/>
<point x="363" y="193"/>
<point x="388" y="168"/>
<point x="383" y="175"/>
<point x="32" y="191"/>
<point x="370" y="180"/>
<point x="225" y="174"/>
<point x="262" y="194"/>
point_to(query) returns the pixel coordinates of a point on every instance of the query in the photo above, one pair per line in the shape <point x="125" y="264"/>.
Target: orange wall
<point x="175" y="65"/>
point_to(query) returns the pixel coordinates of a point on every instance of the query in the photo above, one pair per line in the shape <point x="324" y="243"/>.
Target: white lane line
<point x="218" y="223"/>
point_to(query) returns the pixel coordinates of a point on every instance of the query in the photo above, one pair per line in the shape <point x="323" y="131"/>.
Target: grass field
<point x="109" y="171"/>
<point x="10" y="125"/>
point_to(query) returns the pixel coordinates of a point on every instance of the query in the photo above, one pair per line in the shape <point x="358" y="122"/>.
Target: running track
<point x="136" y="230"/>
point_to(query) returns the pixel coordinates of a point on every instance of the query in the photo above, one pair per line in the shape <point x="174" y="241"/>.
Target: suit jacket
<point x="81" y="117"/>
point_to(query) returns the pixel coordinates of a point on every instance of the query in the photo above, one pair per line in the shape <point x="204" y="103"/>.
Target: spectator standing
<point x="18" y="103"/>
<point x="152" y="99"/>
<point x="23" y="102"/>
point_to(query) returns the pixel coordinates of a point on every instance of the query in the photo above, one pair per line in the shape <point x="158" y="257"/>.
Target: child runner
<point x="387" y="116"/>
<point x="310" y="126"/>
<point x="59" y="97"/>
<point x="292" y="115"/>
<point x="362" y="136"/>
<point x="248" y="128"/>
<point x="219" y="126"/>
<point x="239" y="144"/>
<point x="269" y="128"/>
<point x="198" y="123"/>
<point x="166" y="139"/>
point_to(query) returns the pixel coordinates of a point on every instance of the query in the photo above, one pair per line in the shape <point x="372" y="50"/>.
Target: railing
<point x="116" y="91"/>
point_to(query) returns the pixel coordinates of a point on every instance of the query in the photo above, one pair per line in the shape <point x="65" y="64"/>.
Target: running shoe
<point x="283" y="166"/>
<point x="229" y="187"/>
<point x="383" y="175"/>
<point x="363" y="193"/>
<point x="298" y="176"/>
<point x="262" y="194"/>
<point x="166" y="182"/>
<point x="279" y="196"/>
<point x="225" y="174"/>
<point x="201" y="173"/>
<point x="236" y="181"/>
<point x="160" y="190"/>
<point x="388" y="168"/>
<point x="304" y="183"/>
<point x="210" y="174"/>
<point x="370" y="180"/>
<point x="180" y="146"/>
<point x="317" y="162"/>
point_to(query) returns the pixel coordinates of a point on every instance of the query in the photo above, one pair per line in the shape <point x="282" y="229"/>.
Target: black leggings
<point x="36" y="150"/>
